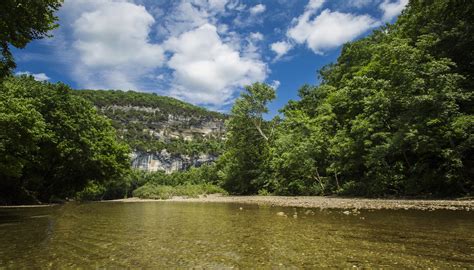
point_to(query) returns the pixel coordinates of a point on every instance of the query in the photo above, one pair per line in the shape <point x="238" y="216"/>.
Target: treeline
<point x="53" y="143"/>
<point x="142" y="120"/>
<point x="393" y="116"/>
<point x="166" y="105"/>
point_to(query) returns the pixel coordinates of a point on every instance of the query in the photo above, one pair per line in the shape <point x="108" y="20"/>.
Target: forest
<point x="393" y="116"/>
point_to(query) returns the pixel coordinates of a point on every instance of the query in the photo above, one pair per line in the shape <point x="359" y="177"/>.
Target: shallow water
<point x="206" y="235"/>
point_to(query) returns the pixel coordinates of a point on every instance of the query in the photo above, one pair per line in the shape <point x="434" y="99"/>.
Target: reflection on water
<point x="183" y="235"/>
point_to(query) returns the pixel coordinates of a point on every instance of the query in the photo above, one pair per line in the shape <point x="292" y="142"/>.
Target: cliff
<point x="164" y="133"/>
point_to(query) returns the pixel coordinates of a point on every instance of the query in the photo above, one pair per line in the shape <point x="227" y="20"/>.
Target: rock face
<point x="161" y="131"/>
<point x="164" y="161"/>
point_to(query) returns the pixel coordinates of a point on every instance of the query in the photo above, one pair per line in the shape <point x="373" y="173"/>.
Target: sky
<point x="200" y="51"/>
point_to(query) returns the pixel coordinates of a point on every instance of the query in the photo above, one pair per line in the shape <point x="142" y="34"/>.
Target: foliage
<point x="91" y="192"/>
<point x="153" y="191"/>
<point x="393" y="116"/>
<point x="53" y="143"/>
<point x="206" y="173"/>
<point x="166" y="105"/>
<point x="150" y="123"/>
<point x="21" y="22"/>
<point x="159" y="185"/>
<point x="248" y="140"/>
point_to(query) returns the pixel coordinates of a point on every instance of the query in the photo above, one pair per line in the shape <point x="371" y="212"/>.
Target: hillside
<point x="164" y="133"/>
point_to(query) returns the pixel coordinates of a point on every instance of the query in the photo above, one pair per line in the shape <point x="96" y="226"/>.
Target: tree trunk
<point x="318" y="178"/>
<point x="257" y="125"/>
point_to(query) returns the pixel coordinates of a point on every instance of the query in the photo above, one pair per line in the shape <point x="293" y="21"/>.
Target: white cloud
<point x="392" y="9"/>
<point x="360" y="3"/>
<point x="217" y="5"/>
<point x="280" y="48"/>
<point x="116" y="34"/>
<point x="110" y="43"/>
<point x="275" y="84"/>
<point x="328" y="29"/>
<point x="38" y="76"/>
<point x="257" y="9"/>
<point x="186" y="16"/>
<point x="314" y="4"/>
<point x="256" y="36"/>
<point x="189" y="14"/>
<point x="208" y="71"/>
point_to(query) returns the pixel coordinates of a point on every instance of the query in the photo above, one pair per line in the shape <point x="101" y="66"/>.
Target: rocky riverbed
<point x="328" y="202"/>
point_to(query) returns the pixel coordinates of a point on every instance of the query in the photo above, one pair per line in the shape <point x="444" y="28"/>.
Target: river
<point x="227" y="235"/>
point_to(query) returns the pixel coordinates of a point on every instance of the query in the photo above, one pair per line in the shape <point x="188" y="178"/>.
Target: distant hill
<point x="163" y="132"/>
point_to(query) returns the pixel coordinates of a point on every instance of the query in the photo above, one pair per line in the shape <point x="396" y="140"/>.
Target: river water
<point x="218" y="236"/>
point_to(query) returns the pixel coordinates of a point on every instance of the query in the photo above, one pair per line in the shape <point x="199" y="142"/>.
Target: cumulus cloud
<point x="37" y="76"/>
<point x="329" y="29"/>
<point x="111" y="43"/>
<point x="392" y="9"/>
<point x="257" y="9"/>
<point x="208" y="71"/>
<point x="281" y="48"/>
<point x="116" y="34"/>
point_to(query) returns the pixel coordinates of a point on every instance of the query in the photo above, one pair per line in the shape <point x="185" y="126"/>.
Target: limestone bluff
<point x="164" y="134"/>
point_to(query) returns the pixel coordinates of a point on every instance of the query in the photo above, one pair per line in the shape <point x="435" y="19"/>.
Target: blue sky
<point x="200" y="51"/>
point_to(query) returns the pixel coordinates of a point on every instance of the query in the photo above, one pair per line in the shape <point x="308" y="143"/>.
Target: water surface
<point x="219" y="235"/>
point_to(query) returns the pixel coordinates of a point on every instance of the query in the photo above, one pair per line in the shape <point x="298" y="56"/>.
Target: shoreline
<point x="319" y="202"/>
<point x="28" y="205"/>
<point x="324" y="202"/>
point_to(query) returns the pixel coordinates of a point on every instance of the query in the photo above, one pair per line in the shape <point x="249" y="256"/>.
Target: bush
<point x="92" y="192"/>
<point x="264" y="192"/>
<point x="352" y="188"/>
<point x="153" y="191"/>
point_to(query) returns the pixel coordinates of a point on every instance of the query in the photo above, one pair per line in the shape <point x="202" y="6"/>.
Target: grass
<point x="153" y="191"/>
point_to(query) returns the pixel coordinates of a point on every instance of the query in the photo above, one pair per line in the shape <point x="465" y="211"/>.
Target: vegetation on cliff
<point x="150" y="123"/>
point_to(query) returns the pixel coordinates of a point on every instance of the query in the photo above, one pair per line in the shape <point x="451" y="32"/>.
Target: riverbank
<point x="326" y="202"/>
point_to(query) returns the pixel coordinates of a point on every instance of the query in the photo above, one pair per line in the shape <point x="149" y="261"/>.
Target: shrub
<point x="92" y="192"/>
<point x="153" y="191"/>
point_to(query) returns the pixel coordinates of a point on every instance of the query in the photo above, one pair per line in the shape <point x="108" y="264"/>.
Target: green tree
<point x="248" y="134"/>
<point x="53" y="143"/>
<point x="393" y="115"/>
<point x="21" y="21"/>
<point x="300" y="155"/>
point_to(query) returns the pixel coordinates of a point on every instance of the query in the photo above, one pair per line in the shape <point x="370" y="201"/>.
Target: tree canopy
<point x="21" y="21"/>
<point x="52" y="143"/>
<point x="393" y="116"/>
<point x="247" y="144"/>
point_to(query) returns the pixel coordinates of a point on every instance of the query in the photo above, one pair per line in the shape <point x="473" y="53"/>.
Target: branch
<point x="260" y="130"/>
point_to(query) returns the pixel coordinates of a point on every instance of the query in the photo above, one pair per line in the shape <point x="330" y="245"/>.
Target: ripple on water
<point x="184" y="235"/>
